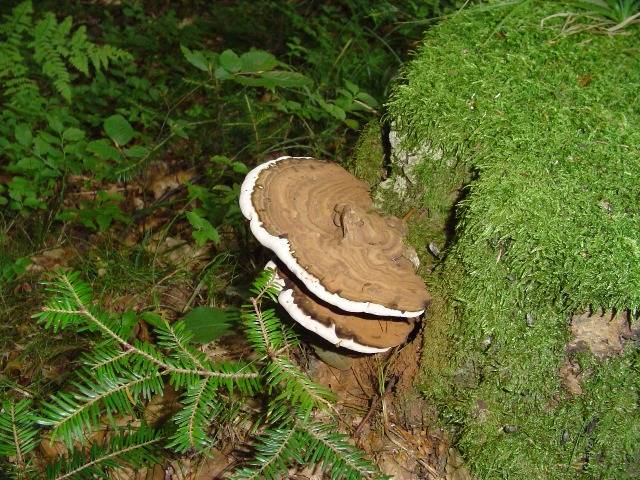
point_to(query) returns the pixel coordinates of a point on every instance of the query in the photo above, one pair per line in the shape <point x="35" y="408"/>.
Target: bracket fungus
<point x="359" y="332"/>
<point x="343" y="266"/>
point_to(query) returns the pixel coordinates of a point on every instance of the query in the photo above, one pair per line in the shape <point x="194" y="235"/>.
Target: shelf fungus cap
<point x="320" y="222"/>
<point x="359" y="332"/>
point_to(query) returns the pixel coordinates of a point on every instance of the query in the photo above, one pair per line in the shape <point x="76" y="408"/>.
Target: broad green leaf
<point x="346" y="103"/>
<point x="136" y="151"/>
<point x="195" y="58"/>
<point x="153" y="319"/>
<point x="55" y="124"/>
<point x="230" y="61"/>
<point x="222" y="74"/>
<point x="34" y="202"/>
<point x="28" y="163"/>
<point x="333" y="110"/>
<point x="367" y="99"/>
<point x="221" y="159"/>
<point x="207" y="323"/>
<point x="72" y="134"/>
<point x="274" y="79"/>
<point x="240" y="167"/>
<point x="352" y="124"/>
<point x="288" y="79"/>
<point x="257" y="61"/>
<point x="179" y="128"/>
<point x="118" y="129"/>
<point x="41" y="146"/>
<point x="103" y="221"/>
<point x="104" y="150"/>
<point x="23" y="134"/>
<point x="352" y="87"/>
<point x="197" y="192"/>
<point x="202" y="229"/>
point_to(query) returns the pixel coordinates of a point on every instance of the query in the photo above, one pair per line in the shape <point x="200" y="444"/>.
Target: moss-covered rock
<point x="540" y="167"/>
<point x="367" y="160"/>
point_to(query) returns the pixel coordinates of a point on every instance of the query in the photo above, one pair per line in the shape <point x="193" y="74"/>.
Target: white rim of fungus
<point x="281" y="247"/>
<point x="286" y="299"/>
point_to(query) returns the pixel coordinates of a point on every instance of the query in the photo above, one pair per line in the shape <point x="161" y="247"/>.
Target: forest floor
<point x="378" y="404"/>
<point x="167" y="235"/>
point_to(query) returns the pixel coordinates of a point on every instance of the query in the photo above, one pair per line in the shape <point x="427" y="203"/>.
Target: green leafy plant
<point x="18" y="435"/>
<point x="617" y="11"/>
<point x="12" y="269"/>
<point x="97" y="214"/>
<point x="206" y="324"/>
<point x="606" y="16"/>
<point x="292" y="93"/>
<point x="121" y="373"/>
<point x="41" y="136"/>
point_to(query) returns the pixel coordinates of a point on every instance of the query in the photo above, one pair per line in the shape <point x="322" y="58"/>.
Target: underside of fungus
<point x="320" y="222"/>
<point x="354" y="331"/>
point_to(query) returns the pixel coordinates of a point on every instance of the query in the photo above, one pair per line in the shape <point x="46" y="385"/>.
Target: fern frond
<point x="70" y="305"/>
<point x="45" y="39"/>
<point x="264" y="329"/>
<point x="276" y="449"/>
<point x="53" y="45"/>
<point x="296" y="387"/>
<point x="265" y="286"/>
<point x="13" y="70"/>
<point x="17" y="22"/>
<point x="77" y="46"/>
<point x="71" y="414"/>
<point x="107" y="358"/>
<point x="102" y="55"/>
<point x="18" y="432"/>
<point x="265" y="332"/>
<point x="195" y="417"/>
<point x="324" y="445"/>
<point x="175" y="338"/>
<point x="128" y="449"/>
<point x="229" y="375"/>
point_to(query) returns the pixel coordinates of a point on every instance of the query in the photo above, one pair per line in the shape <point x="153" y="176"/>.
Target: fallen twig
<point x="374" y="405"/>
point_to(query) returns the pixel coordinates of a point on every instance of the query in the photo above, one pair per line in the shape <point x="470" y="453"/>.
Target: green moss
<point x="540" y="140"/>
<point x="367" y="159"/>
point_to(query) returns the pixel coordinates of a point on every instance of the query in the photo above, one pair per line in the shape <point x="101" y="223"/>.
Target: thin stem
<point x="184" y="348"/>
<point x="167" y="368"/>
<point x="16" y="440"/>
<point x="339" y="454"/>
<point x="263" y="330"/>
<point x="97" y="398"/>
<point x="192" y="416"/>
<point x="107" y="457"/>
<point x="123" y="354"/>
<point x="285" y="441"/>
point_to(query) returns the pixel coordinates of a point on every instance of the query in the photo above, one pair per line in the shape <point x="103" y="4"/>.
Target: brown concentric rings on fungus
<point x="320" y="222"/>
<point x="359" y="332"/>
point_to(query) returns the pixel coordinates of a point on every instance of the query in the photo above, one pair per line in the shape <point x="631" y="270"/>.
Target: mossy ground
<point x="547" y="223"/>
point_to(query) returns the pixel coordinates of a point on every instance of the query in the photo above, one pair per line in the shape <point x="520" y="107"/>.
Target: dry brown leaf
<point x="161" y="407"/>
<point x="180" y="252"/>
<point x="50" y="259"/>
<point x="211" y="468"/>
<point x="601" y="333"/>
<point x="455" y="469"/>
<point x="163" y="182"/>
<point x="571" y="377"/>
<point x="52" y="450"/>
